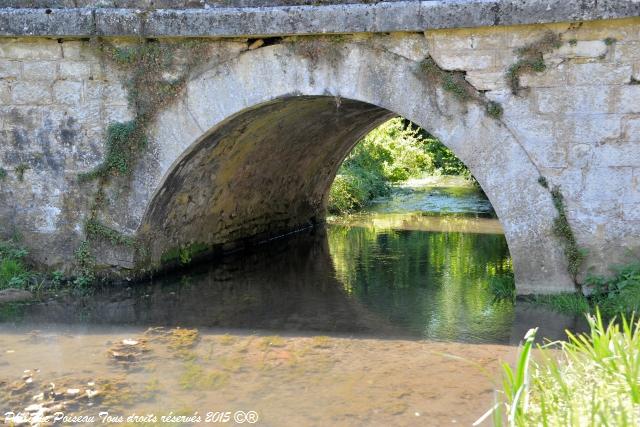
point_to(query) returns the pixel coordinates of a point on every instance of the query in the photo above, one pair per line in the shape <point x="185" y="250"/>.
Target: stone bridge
<point x="136" y="134"/>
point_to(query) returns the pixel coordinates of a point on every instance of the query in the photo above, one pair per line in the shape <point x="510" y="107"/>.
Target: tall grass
<point x="592" y="379"/>
<point x="13" y="271"/>
<point x="569" y="303"/>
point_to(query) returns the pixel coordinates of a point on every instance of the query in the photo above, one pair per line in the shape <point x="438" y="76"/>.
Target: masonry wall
<point x="578" y="122"/>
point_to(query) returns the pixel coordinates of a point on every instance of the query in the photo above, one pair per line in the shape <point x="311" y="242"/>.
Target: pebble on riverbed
<point x="39" y="400"/>
<point x="128" y="352"/>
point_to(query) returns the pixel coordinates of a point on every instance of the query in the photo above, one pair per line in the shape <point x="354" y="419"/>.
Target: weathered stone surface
<point x="241" y="153"/>
<point x="629" y="99"/>
<point x="14" y="295"/>
<point x="581" y="49"/>
<point x="285" y="17"/>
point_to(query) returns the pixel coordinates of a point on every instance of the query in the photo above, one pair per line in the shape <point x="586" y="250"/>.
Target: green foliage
<point x="543" y="182"/>
<point x="20" y="170"/>
<point x="57" y="278"/>
<point x="184" y="254"/>
<point x="573" y="42"/>
<point x="594" y="379"/>
<point x="393" y="152"/>
<point x="568" y="303"/>
<point x="620" y="293"/>
<point x="531" y="59"/>
<point x="86" y="265"/>
<point x="124" y="142"/>
<point x="95" y="230"/>
<point x="3" y="174"/>
<point x="561" y="228"/>
<point x="451" y="81"/>
<point x="455" y="83"/>
<point x="494" y="109"/>
<point x="609" y="41"/>
<point x="502" y="286"/>
<point x="13" y="271"/>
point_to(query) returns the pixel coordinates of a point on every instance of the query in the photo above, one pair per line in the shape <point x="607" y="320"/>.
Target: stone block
<point x="619" y="154"/>
<point x="37" y="49"/>
<point x="631" y="129"/>
<point x="616" y="181"/>
<point x="117" y="113"/>
<point x="67" y="93"/>
<point x="589" y="129"/>
<point x="576" y="100"/>
<point x="31" y="93"/>
<point x="580" y="155"/>
<point x="114" y="94"/>
<point x="5" y="92"/>
<point x="10" y="69"/>
<point x="464" y="59"/>
<point x="39" y="70"/>
<point x="627" y="52"/>
<point x="77" y="50"/>
<point x="553" y="77"/>
<point x="594" y="73"/>
<point x="75" y="70"/>
<point x="411" y="46"/>
<point x="481" y="80"/>
<point x="581" y="49"/>
<point x="629" y="99"/>
<point x="448" y="40"/>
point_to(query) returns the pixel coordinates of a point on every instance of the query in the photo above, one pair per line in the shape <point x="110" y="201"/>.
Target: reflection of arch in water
<point x="287" y="285"/>
<point x="253" y="144"/>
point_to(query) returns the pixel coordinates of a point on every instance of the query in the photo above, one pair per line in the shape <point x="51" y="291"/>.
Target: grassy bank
<point x="391" y="153"/>
<point x="14" y="272"/>
<point x="591" y="379"/>
<point x="612" y="295"/>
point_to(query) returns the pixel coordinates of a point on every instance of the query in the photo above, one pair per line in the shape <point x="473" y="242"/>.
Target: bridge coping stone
<point x="57" y="18"/>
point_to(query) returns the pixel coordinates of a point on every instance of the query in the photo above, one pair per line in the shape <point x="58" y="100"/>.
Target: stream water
<point x="381" y="318"/>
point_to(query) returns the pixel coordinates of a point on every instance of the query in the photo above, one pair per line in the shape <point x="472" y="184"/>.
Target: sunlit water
<point x="384" y="318"/>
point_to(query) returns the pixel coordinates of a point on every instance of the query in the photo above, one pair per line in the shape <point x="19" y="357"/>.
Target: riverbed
<point x="381" y="318"/>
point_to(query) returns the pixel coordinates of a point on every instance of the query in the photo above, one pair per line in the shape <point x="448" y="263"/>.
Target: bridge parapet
<point x="246" y="18"/>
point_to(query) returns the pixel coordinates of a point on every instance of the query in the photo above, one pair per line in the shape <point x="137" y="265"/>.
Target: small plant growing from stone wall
<point x="154" y="73"/>
<point x="562" y="229"/>
<point x="531" y="59"/>
<point x="455" y="83"/>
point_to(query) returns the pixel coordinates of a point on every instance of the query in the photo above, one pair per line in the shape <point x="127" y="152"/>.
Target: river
<point x="380" y="318"/>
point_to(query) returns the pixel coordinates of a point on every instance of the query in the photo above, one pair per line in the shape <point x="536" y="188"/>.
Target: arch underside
<point x="263" y="173"/>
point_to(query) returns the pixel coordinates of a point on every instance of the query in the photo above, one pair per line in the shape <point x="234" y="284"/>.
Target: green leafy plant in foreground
<point x="591" y="379"/>
<point x="13" y="271"/>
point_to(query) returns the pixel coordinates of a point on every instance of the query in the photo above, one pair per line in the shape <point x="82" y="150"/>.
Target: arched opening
<point x="267" y="172"/>
<point x="263" y="173"/>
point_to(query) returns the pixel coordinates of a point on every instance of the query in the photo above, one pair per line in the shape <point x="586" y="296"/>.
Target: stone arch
<point x="255" y="109"/>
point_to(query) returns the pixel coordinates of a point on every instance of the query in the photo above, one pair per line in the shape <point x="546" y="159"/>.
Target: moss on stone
<point x="531" y="59"/>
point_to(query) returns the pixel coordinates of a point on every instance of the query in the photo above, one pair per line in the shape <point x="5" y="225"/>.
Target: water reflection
<point x="392" y="274"/>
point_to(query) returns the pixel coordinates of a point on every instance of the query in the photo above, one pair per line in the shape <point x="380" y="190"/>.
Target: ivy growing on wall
<point x="562" y="230"/>
<point x="154" y="73"/>
<point x="455" y="83"/>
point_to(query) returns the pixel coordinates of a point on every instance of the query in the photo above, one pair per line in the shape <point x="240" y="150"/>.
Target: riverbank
<point x="586" y="380"/>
